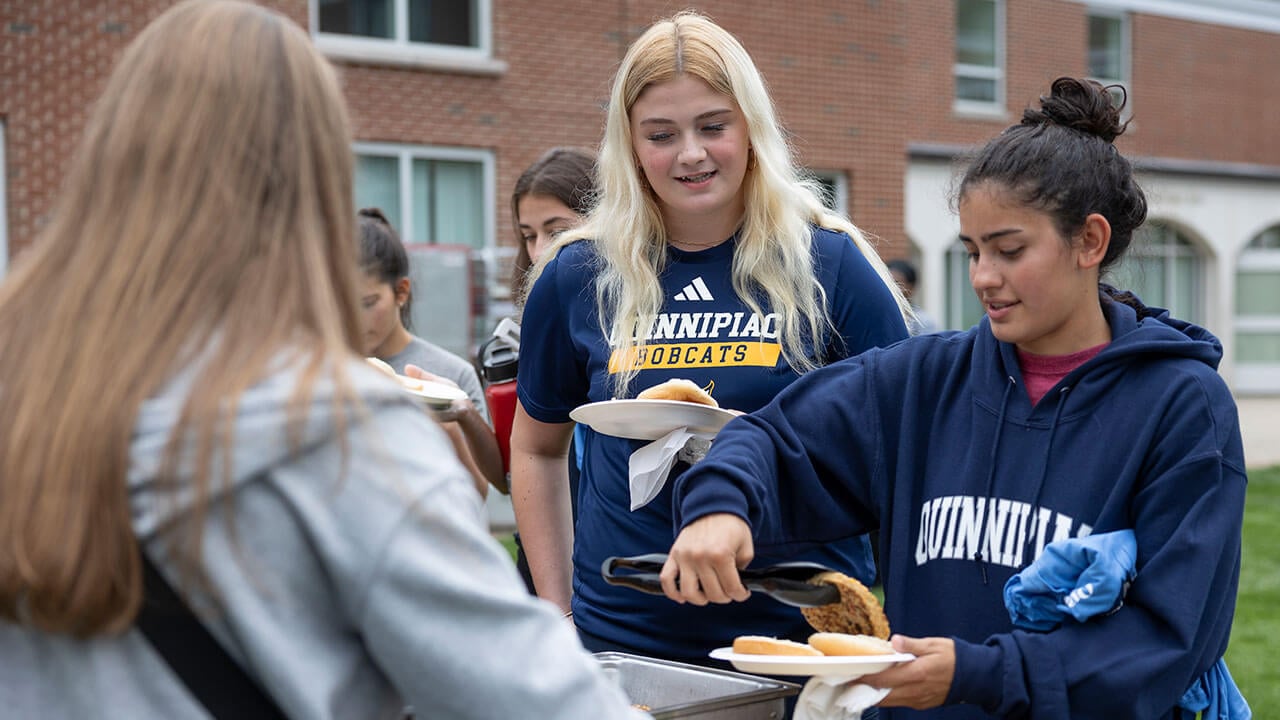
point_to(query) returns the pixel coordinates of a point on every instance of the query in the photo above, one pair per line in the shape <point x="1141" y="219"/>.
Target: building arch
<point x="1257" y="313"/>
<point x="1169" y="265"/>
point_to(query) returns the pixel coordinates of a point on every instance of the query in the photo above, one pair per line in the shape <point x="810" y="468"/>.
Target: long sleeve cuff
<point x="978" y="675"/>
<point x="698" y="496"/>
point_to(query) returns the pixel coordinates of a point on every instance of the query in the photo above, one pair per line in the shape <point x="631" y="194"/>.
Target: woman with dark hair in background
<point x="550" y="197"/>
<point x="385" y="292"/>
<point x="1071" y="414"/>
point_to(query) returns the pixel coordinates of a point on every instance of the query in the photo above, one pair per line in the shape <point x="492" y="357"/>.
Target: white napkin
<point x="834" y="698"/>
<point x="649" y="466"/>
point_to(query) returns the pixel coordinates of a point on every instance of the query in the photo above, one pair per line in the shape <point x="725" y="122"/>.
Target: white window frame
<point x="840" y="180"/>
<point x="1261" y="377"/>
<point x="406" y="154"/>
<point x="1126" y="53"/>
<point x="995" y="108"/>
<point x="399" y="51"/>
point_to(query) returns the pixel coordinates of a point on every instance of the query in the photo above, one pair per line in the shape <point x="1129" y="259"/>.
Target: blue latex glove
<point x="1080" y="578"/>
<point x="1088" y="576"/>
<point x="1216" y="695"/>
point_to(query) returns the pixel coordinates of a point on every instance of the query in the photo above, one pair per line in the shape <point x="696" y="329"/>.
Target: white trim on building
<point x="400" y="51"/>
<point x="407" y="153"/>
<point x="1260" y="15"/>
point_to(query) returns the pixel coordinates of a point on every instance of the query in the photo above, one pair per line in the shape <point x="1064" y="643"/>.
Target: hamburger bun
<point x="857" y="613"/>
<point x="761" y="645"/>
<point x="679" y="389"/>
<point x="845" y="644"/>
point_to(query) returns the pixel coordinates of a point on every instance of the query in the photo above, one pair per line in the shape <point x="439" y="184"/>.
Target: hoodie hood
<point x="261" y="432"/>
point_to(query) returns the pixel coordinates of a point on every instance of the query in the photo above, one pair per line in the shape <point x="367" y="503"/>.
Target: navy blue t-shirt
<point x="707" y="334"/>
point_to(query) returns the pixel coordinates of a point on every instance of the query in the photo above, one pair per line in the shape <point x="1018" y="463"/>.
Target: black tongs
<point x="787" y="583"/>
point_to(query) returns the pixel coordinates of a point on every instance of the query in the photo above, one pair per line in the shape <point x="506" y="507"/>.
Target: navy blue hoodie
<point x="935" y="441"/>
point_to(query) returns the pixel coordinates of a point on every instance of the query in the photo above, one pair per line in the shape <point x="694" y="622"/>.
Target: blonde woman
<point x="191" y="390"/>
<point x="706" y="257"/>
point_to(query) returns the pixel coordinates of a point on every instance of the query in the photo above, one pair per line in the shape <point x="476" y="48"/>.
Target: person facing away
<point x="384" y="300"/>
<point x="195" y="391"/>
<point x="1069" y="410"/>
<point x="904" y="273"/>
<point x="706" y="257"/>
<point x="551" y="196"/>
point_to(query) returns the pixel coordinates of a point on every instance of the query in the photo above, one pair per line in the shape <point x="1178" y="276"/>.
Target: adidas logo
<point x="696" y="290"/>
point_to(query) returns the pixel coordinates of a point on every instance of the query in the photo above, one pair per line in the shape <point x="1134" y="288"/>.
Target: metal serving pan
<point x="679" y="691"/>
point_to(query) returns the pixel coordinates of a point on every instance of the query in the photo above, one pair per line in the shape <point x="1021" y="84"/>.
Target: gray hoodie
<point x="348" y="590"/>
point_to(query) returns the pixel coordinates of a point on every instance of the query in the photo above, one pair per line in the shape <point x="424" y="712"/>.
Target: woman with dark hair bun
<point x="992" y="461"/>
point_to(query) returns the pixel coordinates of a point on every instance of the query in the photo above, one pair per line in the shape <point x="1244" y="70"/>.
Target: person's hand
<point x="703" y="564"/>
<point x="418" y="373"/>
<point x="456" y="409"/>
<point x="922" y="683"/>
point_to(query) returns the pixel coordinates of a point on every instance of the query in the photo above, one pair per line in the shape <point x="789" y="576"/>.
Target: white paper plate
<point x="650" y="419"/>
<point x="436" y="394"/>
<point x="847" y="665"/>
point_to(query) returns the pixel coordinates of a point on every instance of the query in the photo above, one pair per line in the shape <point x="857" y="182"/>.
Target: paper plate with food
<point x="655" y="412"/>
<point x="852" y="638"/>
<point x="435" y="395"/>
<point x="825" y="654"/>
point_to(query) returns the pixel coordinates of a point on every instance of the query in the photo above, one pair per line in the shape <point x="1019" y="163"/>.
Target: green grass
<point x="1252" y="654"/>
<point x="508" y="542"/>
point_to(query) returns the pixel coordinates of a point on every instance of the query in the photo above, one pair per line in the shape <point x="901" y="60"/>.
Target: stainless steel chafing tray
<point x="673" y="690"/>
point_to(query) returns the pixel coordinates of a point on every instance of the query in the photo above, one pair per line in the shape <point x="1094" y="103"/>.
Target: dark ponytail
<point x="1060" y="160"/>
<point x="382" y="255"/>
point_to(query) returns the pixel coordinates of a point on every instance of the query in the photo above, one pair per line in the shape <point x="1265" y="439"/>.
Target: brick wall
<point x="854" y="82"/>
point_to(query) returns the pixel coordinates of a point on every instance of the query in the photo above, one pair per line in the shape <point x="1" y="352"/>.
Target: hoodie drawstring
<point x="1044" y="470"/>
<point x="979" y="555"/>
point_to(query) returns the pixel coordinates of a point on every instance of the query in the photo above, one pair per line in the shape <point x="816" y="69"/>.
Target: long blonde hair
<point x="210" y="198"/>
<point x="773" y="256"/>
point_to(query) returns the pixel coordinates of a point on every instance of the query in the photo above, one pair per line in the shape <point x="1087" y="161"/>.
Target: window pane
<point x="1258" y="293"/>
<point x="1144" y="277"/>
<point x="1258" y="348"/>
<point x="1184" y="288"/>
<point x="976" y="89"/>
<point x="1268" y="239"/>
<point x="444" y="22"/>
<point x="976" y="32"/>
<point x="378" y="185"/>
<point x="828" y="187"/>
<point x="458" y="203"/>
<point x="963" y="309"/>
<point x="371" y="18"/>
<point x="1106" y="43"/>
<point x="420" y="196"/>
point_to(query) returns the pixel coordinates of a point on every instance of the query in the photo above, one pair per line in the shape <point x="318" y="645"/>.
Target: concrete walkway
<point x="1260" y="426"/>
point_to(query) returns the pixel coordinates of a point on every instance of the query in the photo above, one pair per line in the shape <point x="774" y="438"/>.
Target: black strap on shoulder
<point x="212" y="676"/>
